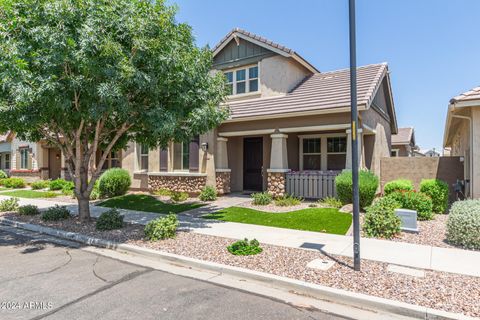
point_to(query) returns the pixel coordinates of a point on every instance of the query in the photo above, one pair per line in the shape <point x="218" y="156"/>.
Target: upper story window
<point x="242" y="80"/>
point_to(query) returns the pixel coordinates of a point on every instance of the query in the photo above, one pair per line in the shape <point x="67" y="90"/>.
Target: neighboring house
<point x="286" y="119"/>
<point x="462" y="136"/>
<point x="430" y="153"/>
<point x="403" y="143"/>
<point x="5" y="152"/>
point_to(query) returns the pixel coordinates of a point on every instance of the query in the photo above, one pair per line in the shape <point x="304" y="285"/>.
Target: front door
<point x="252" y="164"/>
<point x="54" y="163"/>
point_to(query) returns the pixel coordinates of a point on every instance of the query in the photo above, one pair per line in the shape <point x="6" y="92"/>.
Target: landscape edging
<point x="301" y="287"/>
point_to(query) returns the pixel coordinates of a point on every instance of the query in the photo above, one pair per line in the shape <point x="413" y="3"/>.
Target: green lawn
<point x="143" y="202"/>
<point x="30" y="194"/>
<point x="312" y="219"/>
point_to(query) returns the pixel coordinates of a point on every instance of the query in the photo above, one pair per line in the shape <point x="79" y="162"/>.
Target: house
<point x="462" y="136"/>
<point x="403" y="143"/>
<point x="430" y="153"/>
<point x="288" y="122"/>
<point x="5" y="152"/>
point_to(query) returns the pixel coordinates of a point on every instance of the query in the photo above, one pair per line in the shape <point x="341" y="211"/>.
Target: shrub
<point x="3" y="175"/>
<point x="14" y="183"/>
<point x="178" y="196"/>
<point x="415" y="201"/>
<point x="331" y="202"/>
<point x="380" y="219"/>
<point x="40" y="184"/>
<point x="208" y="194"/>
<point x="288" y="201"/>
<point x="438" y="191"/>
<point x="57" y="184"/>
<point x="10" y="204"/>
<point x="68" y="188"/>
<point x="50" y="194"/>
<point x="245" y="247"/>
<point x="95" y="192"/>
<point x="28" y="210"/>
<point x="56" y="213"/>
<point x="163" y="192"/>
<point x="368" y="184"/>
<point x="261" y="198"/>
<point x="463" y="224"/>
<point x="114" y="182"/>
<point x="398" y="185"/>
<point x="109" y="220"/>
<point x="161" y="228"/>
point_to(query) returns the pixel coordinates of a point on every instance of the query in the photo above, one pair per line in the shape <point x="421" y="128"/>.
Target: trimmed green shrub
<point x="114" y="182"/>
<point x="162" y="228"/>
<point x="28" y="210"/>
<point x="68" y="189"/>
<point x="417" y="201"/>
<point x="163" y="192"/>
<point x="10" y="204"/>
<point x="56" y="213"/>
<point x="14" y="183"/>
<point x="245" y="247"/>
<point x="109" y="220"/>
<point x="380" y="219"/>
<point x="208" y="194"/>
<point x="438" y="191"/>
<point x="3" y="175"/>
<point x="50" y="194"/>
<point x="331" y="202"/>
<point x="288" y="200"/>
<point x="178" y="196"/>
<point x="40" y="184"/>
<point x="398" y="185"/>
<point x="57" y="184"/>
<point x="463" y="224"/>
<point x="261" y="198"/>
<point x="368" y="185"/>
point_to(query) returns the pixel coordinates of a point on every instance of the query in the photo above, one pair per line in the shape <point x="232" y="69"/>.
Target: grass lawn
<point x="310" y="219"/>
<point x="143" y="202"/>
<point x="30" y="194"/>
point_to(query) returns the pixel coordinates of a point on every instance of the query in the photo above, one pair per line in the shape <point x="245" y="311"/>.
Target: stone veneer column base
<point x="222" y="179"/>
<point x="191" y="184"/>
<point x="276" y="182"/>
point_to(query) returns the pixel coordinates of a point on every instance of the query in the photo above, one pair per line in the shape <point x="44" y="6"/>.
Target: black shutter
<point x="163" y="159"/>
<point x="193" y="154"/>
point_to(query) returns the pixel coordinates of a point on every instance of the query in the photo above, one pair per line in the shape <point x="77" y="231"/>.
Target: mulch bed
<point x="438" y="290"/>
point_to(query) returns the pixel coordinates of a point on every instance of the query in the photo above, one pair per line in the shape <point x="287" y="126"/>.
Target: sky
<point x="432" y="46"/>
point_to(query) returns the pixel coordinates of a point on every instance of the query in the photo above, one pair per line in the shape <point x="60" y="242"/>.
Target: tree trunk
<point x="83" y="208"/>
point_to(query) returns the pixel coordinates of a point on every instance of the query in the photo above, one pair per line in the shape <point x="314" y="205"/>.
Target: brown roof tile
<point x="473" y="94"/>
<point x="404" y="136"/>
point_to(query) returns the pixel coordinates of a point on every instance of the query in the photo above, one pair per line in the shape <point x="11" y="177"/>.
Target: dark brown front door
<point x="252" y="164"/>
<point x="54" y="163"/>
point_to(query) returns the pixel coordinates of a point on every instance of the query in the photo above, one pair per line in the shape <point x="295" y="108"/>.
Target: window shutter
<point x="193" y="154"/>
<point x="17" y="159"/>
<point x="164" y="160"/>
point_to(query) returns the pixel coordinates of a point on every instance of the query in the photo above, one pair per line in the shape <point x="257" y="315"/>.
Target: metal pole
<point x="354" y="116"/>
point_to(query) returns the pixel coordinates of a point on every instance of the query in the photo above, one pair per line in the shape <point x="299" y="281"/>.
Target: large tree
<point x="89" y="75"/>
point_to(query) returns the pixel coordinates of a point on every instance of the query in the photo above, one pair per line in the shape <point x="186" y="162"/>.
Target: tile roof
<point x="473" y="94"/>
<point x="319" y="92"/>
<point x="404" y="136"/>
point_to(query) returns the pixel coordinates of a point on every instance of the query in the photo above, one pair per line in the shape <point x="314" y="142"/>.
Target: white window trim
<point x="24" y="150"/>
<point x="138" y="152"/>
<point x="323" y="147"/>
<point x="247" y="80"/>
<point x="396" y="151"/>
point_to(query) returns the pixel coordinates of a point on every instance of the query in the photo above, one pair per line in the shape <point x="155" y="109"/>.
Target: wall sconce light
<point x="57" y="156"/>
<point x="204" y="146"/>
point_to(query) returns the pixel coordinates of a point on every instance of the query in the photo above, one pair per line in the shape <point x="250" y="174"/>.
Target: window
<point x="24" y="158"/>
<point x="311" y="154"/>
<point x="336" y="153"/>
<point x="143" y="158"/>
<point x="242" y="80"/>
<point x="112" y="160"/>
<point x="394" y="153"/>
<point x="181" y="156"/>
<point x="7" y="161"/>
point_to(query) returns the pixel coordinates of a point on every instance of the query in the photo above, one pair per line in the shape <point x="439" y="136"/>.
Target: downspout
<point x="471" y="148"/>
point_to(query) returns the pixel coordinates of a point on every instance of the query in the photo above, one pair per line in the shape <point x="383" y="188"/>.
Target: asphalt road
<point x="43" y="280"/>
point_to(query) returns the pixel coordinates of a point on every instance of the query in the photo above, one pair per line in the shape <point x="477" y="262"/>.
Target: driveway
<point x="44" y="280"/>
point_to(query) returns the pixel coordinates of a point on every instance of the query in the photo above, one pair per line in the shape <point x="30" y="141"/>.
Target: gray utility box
<point x="409" y="219"/>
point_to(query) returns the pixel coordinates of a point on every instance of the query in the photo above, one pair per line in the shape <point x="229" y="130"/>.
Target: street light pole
<point x="354" y="127"/>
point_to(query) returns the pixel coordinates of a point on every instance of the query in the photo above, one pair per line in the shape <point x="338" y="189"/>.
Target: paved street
<point x="44" y="280"/>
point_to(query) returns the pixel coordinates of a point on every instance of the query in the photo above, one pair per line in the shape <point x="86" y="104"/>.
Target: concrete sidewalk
<point x="400" y="253"/>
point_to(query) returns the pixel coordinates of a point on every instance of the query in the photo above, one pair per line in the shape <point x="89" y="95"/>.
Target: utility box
<point x="409" y="220"/>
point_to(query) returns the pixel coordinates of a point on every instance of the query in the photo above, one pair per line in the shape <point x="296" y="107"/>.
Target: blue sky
<point x="432" y="46"/>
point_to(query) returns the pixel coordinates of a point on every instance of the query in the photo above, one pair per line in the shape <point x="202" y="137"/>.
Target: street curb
<point x="297" y="286"/>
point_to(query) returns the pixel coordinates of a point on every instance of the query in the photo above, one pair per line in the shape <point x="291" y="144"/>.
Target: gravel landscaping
<point x="439" y="290"/>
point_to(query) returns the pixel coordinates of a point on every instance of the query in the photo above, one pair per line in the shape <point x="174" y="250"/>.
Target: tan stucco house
<point x="462" y="136"/>
<point x="403" y="143"/>
<point x="288" y="122"/>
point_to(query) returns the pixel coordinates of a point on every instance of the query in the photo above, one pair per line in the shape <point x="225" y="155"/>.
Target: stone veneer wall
<point x="276" y="184"/>
<point x="190" y="184"/>
<point x="222" y="182"/>
<point x="28" y="175"/>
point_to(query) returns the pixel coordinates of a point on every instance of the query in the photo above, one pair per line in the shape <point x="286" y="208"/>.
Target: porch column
<point x="222" y="172"/>
<point x="348" y="161"/>
<point x="278" y="165"/>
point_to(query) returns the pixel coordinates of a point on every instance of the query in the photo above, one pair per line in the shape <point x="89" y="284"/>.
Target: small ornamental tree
<point x="89" y="75"/>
